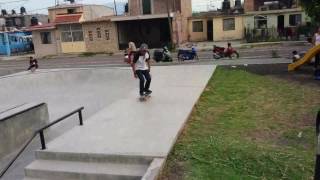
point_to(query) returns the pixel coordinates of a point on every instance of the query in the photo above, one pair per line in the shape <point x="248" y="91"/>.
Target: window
<point x="71" y="11"/>
<point x="90" y="35"/>
<point x="45" y="37"/>
<point x="98" y="32"/>
<point x="107" y="33"/>
<point x="260" y="22"/>
<point x="146" y="6"/>
<point x="66" y="37"/>
<point x="295" y="19"/>
<point x="229" y="24"/>
<point x="71" y="33"/>
<point x="197" y="26"/>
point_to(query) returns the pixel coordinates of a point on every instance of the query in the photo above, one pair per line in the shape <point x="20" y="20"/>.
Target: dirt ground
<point x="302" y="76"/>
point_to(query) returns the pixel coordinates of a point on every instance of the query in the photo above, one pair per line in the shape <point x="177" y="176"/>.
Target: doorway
<point x="210" y="30"/>
<point x="281" y="25"/>
<point x="281" y="22"/>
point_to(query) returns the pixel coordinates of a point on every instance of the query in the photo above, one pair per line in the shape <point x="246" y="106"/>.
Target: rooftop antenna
<point x="115" y="7"/>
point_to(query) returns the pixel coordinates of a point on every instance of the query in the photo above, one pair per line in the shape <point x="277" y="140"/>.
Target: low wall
<point x="18" y="124"/>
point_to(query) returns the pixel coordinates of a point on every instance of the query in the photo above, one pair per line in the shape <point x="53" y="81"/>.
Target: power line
<point x="9" y="2"/>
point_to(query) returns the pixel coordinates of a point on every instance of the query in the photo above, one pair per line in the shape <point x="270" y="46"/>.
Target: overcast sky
<point x="40" y="6"/>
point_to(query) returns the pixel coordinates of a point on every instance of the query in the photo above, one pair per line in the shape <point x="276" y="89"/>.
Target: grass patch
<point x="247" y="126"/>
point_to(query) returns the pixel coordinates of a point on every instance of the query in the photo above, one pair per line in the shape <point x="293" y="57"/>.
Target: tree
<point x="312" y="8"/>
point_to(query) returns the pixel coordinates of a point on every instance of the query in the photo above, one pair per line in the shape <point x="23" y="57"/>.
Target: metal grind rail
<point x="42" y="139"/>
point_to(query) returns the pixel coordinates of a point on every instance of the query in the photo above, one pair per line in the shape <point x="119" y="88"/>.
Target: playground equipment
<point x="305" y="59"/>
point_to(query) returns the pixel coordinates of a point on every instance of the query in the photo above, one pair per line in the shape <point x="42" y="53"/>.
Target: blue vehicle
<point x="187" y="54"/>
<point x="15" y="43"/>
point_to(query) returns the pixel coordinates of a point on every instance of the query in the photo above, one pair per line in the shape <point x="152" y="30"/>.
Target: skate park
<point x="121" y="136"/>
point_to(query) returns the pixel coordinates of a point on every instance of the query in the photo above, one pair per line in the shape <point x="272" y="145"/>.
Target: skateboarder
<point x="33" y="64"/>
<point x="141" y="70"/>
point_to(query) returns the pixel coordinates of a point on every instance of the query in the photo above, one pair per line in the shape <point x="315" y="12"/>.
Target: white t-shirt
<point x="296" y="57"/>
<point x="141" y="64"/>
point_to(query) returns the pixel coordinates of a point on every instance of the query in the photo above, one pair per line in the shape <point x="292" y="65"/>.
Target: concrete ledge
<point x="96" y="158"/>
<point x="19" y="123"/>
<point x="154" y="169"/>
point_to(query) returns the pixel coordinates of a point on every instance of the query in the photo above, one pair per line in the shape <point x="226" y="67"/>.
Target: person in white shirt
<point x="141" y="69"/>
<point x="295" y="56"/>
<point x="316" y="42"/>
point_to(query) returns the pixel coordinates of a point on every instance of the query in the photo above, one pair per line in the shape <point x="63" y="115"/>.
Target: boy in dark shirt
<point x="33" y="64"/>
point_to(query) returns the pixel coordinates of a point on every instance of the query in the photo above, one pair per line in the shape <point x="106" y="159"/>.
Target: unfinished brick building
<point x="146" y="21"/>
<point x="265" y="5"/>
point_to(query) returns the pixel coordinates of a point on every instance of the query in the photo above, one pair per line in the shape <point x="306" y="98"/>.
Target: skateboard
<point x="144" y="98"/>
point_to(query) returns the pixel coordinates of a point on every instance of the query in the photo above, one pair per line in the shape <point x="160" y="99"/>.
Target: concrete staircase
<point x="70" y="166"/>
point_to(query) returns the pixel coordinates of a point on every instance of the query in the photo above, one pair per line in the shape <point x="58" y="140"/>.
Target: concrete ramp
<point x="127" y="139"/>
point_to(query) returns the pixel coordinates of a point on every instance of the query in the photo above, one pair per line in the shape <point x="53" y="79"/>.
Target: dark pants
<point x="33" y="66"/>
<point x="145" y="80"/>
<point x="317" y="62"/>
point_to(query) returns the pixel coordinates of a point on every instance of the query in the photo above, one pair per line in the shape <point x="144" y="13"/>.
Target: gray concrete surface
<point x="18" y="124"/>
<point x="63" y="91"/>
<point x="107" y="92"/>
<point x="127" y="128"/>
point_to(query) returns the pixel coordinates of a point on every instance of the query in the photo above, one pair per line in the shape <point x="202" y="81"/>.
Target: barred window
<point x="66" y="37"/>
<point x="197" y="26"/>
<point x="229" y="24"/>
<point x="295" y="19"/>
<point x="107" y="33"/>
<point x="90" y="35"/>
<point x="71" y="33"/>
<point x="98" y="32"/>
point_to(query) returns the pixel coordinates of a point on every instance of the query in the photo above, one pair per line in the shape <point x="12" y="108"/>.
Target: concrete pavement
<point x="136" y="134"/>
<point x="119" y="123"/>
<point x="129" y="127"/>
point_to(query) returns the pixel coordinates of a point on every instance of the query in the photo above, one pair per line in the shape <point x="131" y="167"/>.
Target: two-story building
<point x="65" y="32"/>
<point x="76" y="28"/>
<point x="273" y="19"/>
<point x="147" y="22"/>
<point x="221" y="25"/>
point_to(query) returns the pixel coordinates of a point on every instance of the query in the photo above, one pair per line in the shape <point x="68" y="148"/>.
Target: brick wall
<point x="160" y="6"/>
<point x="134" y="7"/>
<point x="249" y="5"/>
<point x="94" y="43"/>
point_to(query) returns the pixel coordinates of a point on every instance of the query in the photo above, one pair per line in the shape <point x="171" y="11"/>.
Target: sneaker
<point x="148" y="92"/>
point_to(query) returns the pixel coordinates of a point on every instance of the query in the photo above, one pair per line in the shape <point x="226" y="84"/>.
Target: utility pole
<point x="170" y="24"/>
<point x="115" y="7"/>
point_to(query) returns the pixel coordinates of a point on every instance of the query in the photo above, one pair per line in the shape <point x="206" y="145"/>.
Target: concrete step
<point x="72" y="170"/>
<point x="94" y="158"/>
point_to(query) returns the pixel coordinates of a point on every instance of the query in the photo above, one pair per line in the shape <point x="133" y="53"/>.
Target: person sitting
<point x="33" y="64"/>
<point x="295" y="56"/>
<point x="194" y="52"/>
<point x="228" y="50"/>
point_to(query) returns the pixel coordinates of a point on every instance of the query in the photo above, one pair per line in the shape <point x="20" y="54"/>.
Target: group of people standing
<point x="140" y="63"/>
